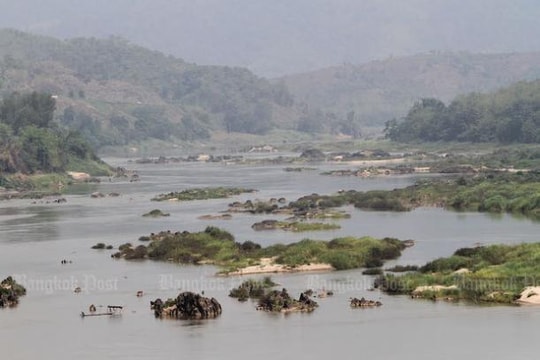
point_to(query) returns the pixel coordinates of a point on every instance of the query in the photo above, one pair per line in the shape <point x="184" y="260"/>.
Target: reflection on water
<point x="34" y="238"/>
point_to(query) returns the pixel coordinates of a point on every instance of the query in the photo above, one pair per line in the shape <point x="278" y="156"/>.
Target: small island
<point x="494" y="192"/>
<point x="202" y="194"/>
<point x="294" y="226"/>
<point x="156" y="213"/>
<point x="218" y="247"/>
<point x="505" y="274"/>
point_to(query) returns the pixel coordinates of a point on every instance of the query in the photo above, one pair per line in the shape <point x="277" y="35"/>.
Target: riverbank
<point x="218" y="247"/>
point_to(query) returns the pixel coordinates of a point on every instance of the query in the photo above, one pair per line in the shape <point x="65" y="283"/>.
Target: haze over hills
<point x="381" y="90"/>
<point x="117" y="93"/>
<point x="274" y="38"/>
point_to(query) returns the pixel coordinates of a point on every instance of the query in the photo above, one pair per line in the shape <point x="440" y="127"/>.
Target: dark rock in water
<point x="312" y="154"/>
<point x="187" y="306"/>
<point x="10" y="292"/>
<point x="281" y="301"/>
<point x="157" y="306"/>
<point x="355" y="303"/>
<point x="265" y="225"/>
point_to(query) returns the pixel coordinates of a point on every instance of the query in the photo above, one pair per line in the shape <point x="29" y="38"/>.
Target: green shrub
<point x="451" y="263"/>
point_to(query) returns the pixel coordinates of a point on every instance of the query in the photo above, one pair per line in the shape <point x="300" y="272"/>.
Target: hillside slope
<point x="381" y="90"/>
<point x="116" y="93"/>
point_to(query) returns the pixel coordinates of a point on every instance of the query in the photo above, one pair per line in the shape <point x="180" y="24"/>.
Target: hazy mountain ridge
<point x="381" y="90"/>
<point x="273" y="38"/>
<point x="125" y="91"/>
<point x="117" y="93"/>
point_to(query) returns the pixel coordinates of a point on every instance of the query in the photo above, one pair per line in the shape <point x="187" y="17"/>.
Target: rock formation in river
<point x="281" y="301"/>
<point x="187" y="306"/>
<point x="10" y="292"/>
<point x="356" y="303"/>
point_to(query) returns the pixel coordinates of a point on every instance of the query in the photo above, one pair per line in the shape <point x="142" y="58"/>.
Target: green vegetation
<point x="155" y="213"/>
<point x="217" y="246"/>
<point x="31" y="143"/>
<point x="202" y="194"/>
<point x="36" y="149"/>
<point x="513" y="193"/>
<point x="294" y="226"/>
<point x="510" y="115"/>
<point x="516" y="193"/>
<point x="252" y="289"/>
<point x="342" y="253"/>
<point x="495" y="273"/>
<point x="402" y="268"/>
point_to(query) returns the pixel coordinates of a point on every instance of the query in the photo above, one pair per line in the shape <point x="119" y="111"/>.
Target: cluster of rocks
<point x="311" y="210"/>
<point x="363" y="303"/>
<point x="318" y="155"/>
<point x="10" y="292"/>
<point x="281" y="301"/>
<point x="59" y="200"/>
<point x="97" y="195"/>
<point x="373" y="171"/>
<point x="187" y="306"/>
<point x="260" y="207"/>
<point x="320" y="293"/>
<point x="191" y="158"/>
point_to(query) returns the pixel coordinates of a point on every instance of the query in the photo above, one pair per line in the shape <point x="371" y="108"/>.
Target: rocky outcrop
<point x="156" y="213"/>
<point x="312" y="155"/>
<point x="363" y="303"/>
<point x="10" y="292"/>
<point x="265" y="225"/>
<point x="281" y="301"/>
<point x="187" y="306"/>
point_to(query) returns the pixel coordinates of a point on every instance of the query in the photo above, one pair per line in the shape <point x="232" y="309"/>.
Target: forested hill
<point x="115" y="93"/>
<point x="31" y="143"/>
<point x="382" y="90"/>
<point x="509" y="115"/>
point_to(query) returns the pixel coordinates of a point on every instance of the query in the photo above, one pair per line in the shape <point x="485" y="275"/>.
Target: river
<point x="35" y="237"/>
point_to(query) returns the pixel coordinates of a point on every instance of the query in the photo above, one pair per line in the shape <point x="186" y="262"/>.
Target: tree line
<point x="31" y="142"/>
<point x="510" y="115"/>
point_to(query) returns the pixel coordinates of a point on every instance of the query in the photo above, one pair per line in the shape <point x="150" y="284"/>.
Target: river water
<point x="34" y="238"/>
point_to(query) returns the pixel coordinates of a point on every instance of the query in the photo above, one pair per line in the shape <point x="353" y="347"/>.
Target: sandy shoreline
<point x="267" y="265"/>
<point x="530" y="296"/>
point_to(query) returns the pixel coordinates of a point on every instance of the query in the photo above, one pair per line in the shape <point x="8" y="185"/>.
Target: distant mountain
<point x="378" y="91"/>
<point x="277" y="37"/>
<point x="116" y="93"/>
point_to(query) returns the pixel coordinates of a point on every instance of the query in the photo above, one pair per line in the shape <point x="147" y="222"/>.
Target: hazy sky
<point x="273" y="37"/>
